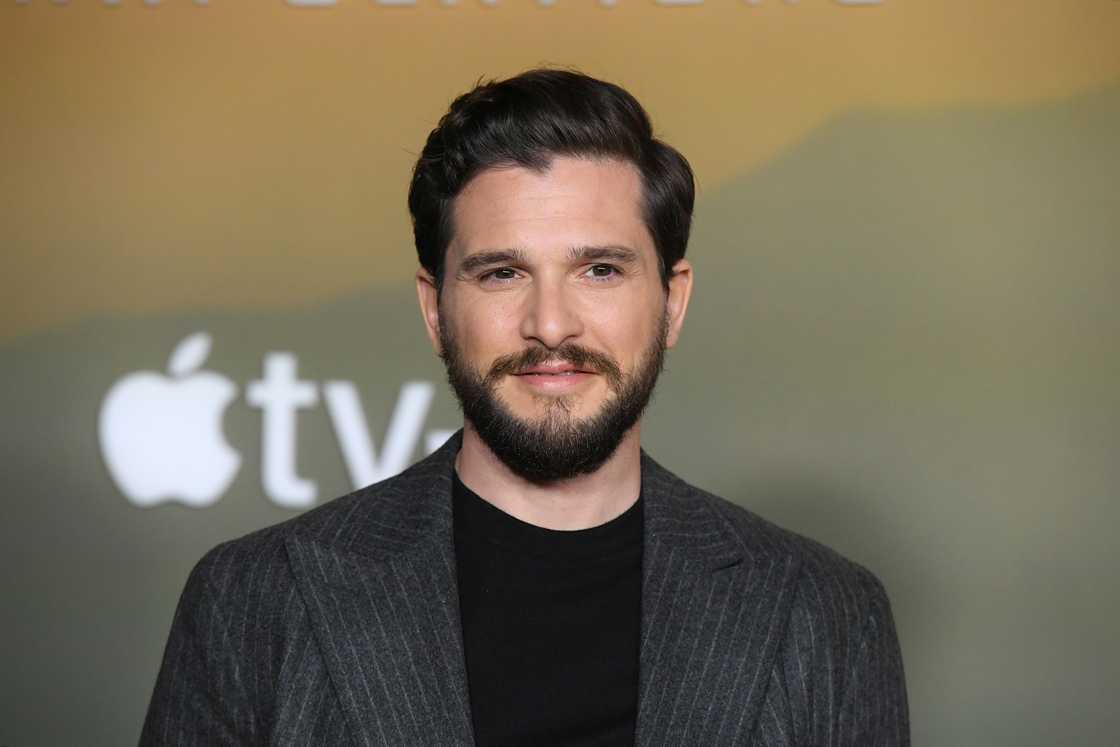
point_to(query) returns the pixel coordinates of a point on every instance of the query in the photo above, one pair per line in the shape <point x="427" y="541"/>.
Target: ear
<point x="676" y="305"/>
<point x="428" y="295"/>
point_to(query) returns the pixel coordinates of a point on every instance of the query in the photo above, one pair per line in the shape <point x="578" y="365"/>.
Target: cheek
<point x="626" y="332"/>
<point x="485" y="331"/>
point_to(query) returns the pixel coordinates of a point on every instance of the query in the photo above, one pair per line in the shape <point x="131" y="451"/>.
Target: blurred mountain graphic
<point x="903" y="341"/>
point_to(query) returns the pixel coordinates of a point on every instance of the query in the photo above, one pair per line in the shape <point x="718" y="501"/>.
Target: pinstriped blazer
<point x="341" y="626"/>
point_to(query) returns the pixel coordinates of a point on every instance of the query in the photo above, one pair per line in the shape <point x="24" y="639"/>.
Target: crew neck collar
<point x="476" y="517"/>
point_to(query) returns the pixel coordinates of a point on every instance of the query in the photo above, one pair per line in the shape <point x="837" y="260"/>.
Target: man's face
<point x="553" y="320"/>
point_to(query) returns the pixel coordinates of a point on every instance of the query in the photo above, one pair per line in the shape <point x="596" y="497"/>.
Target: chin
<point x="537" y="406"/>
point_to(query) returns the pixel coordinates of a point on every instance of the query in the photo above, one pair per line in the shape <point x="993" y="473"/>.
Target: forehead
<point x="574" y="202"/>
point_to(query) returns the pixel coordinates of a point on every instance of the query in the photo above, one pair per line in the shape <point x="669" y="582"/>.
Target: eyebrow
<point x="612" y="252"/>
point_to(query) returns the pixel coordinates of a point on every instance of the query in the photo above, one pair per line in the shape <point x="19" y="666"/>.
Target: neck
<point x="580" y="502"/>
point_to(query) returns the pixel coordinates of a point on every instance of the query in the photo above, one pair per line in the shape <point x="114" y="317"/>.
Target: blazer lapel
<point x="381" y="594"/>
<point x="714" y="606"/>
<point x="382" y="598"/>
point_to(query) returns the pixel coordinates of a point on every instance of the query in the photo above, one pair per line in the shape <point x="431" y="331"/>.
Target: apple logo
<point x="161" y="436"/>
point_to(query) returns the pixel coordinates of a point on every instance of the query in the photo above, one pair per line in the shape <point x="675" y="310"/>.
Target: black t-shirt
<point x="550" y="626"/>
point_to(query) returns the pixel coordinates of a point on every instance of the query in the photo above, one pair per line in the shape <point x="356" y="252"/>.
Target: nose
<point x="551" y="316"/>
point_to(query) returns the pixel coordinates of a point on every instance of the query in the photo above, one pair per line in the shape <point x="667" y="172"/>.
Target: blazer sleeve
<point x="874" y="712"/>
<point x="199" y="696"/>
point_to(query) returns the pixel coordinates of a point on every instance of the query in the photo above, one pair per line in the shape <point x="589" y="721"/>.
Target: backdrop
<point x="903" y="339"/>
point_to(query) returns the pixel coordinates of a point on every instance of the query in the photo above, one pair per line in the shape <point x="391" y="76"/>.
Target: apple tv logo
<point x="161" y="434"/>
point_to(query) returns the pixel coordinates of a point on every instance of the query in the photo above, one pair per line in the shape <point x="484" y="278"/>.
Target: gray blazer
<point x="341" y="626"/>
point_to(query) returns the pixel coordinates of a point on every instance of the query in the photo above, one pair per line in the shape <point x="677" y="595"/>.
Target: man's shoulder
<point x="340" y="522"/>
<point x="823" y="575"/>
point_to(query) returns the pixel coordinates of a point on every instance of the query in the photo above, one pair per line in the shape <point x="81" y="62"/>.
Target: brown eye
<point x="602" y="271"/>
<point x="500" y="275"/>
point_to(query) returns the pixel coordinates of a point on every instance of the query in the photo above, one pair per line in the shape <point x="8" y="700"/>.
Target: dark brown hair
<point x="526" y="121"/>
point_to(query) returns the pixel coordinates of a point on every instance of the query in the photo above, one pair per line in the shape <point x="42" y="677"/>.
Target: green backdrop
<point x="903" y="341"/>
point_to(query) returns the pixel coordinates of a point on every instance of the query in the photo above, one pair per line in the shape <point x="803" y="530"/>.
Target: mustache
<point x="570" y="353"/>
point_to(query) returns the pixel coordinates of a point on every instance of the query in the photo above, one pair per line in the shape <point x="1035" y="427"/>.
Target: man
<point x="538" y="580"/>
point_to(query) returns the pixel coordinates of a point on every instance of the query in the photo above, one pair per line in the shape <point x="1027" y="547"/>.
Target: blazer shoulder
<point x="825" y="576"/>
<point x="403" y="502"/>
<point x="840" y="644"/>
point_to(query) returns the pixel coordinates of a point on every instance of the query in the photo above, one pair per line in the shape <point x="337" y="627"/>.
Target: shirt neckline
<point x="476" y="518"/>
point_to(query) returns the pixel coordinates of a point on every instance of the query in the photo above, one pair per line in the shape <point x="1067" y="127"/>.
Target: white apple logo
<point x="161" y="437"/>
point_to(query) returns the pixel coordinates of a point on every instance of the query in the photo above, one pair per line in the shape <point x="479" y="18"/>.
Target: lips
<point x="560" y="369"/>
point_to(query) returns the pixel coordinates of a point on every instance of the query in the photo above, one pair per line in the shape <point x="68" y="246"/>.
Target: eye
<point x="498" y="275"/>
<point x="602" y="272"/>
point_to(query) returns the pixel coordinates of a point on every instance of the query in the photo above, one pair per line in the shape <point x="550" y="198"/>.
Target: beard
<point x="557" y="445"/>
